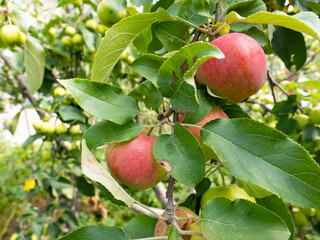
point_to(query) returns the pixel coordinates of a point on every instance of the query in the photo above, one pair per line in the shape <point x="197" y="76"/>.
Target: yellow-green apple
<point x="75" y="130"/>
<point x="52" y="32"/>
<point x="102" y="28"/>
<point x="91" y="24"/>
<point x="66" y="40"/>
<point x="230" y="192"/>
<point x="215" y="112"/>
<point x="300" y="219"/>
<point x="70" y="30"/>
<point x="11" y="35"/>
<point x="133" y="163"/>
<point x="315" y="115"/>
<point x="302" y="120"/>
<point x="162" y="229"/>
<point x="37" y="124"/>
<point x="61" y="129"/>
<point x="240" y="74"/>
<point x="107" y="17"/>
<point x="48" y="128"/>
<point x="58" y="92"/>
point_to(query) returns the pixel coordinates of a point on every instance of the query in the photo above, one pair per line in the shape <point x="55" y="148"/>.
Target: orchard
<point x="190" y="119"/>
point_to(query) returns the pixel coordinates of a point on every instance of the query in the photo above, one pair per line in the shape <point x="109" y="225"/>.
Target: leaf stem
<point x="148" y="208"/>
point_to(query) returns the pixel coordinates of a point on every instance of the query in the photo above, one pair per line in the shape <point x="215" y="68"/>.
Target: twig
<point x="149" y="211"/>
<point x="196" y="36"/>
<point x="160" y="190"/>
<point x="217" y="14"/>
<point x="276" y="83"/>
<point x="261" y="104"/>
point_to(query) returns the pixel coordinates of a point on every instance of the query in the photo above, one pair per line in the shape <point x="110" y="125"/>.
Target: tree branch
<point x="139" y="209"/>
<point x="160" y="191"/>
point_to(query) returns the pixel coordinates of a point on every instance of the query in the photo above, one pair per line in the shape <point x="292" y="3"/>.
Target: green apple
<point x="120" y="15"/>
<point x="102" y="28"/>
<point x="48" y="128"/>
<point x="230" y="192"/>
<point x="302" y="120"/>
<point x="92" y="24"/>
<point x="37" y="124"/>
<point x="11" y="35"/>
<point x="66" y="40"/>
<point x="315" y="115"/>
<point x="106" y="17"/>
<point x="256" y="107"/>
<point x="77" y="39"/>
<point x="59" y="92"/>
<point x="52" y="32"/>
<point x="70" y="30"/>
<point x="75" y="130"/>
<point x="46" y="155"/>
<point x="300" y="219"/>
<point x="61" y="129"/>
<point x="77" y="3"/>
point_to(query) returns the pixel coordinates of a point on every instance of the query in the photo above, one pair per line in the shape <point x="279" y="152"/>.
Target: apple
<point x="77" y="3"/>
<point x="75" y="130"/>
<point x="194" y="227"/>
<point x="256" y="107"/>
<point x="240" y="74"/>
<point x="230" y="192"/>
<point x="224" y="30"/>
<point x="315" y="115"/>
<point x="302" y="120"/>
<point x="37" y="124"/>
<point x="91" y="24"/>
<point x="162" y="229"/>
<point x="66" y="40"/>
<point x="300" y="219"/>
<point x="133" y="163"/>
<point x="58" y="92"/>
<point x="77" y="39"/>
<point x="70" y="30"/>
<point x="102" y="28"/>
<point x="52" y="32"/>
<point x="106" y="17"/>
<point x="215" y="112"/>
<point x="61" y="129"/>
<point x="46" y="155"/>
<point x="11" y="35"/>
<point x="48" y="128"/>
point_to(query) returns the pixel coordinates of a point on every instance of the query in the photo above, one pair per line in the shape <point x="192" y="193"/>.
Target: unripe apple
<point x="194" y="227"/>
<point x="77" y="39"/>
<point x="256" y="107"/>
<point x="224" y="30"/>
<point x="106" y="17"/>
<point x="52" y="32"/>
<point x="46" y="155"/>
<point x="240" y="74"/>
<point x="230" y="192"/>
<point x="315" y="115"/>
<point x="75" y="130"/>
<point x="70" y="30"/>
<point x="102" y="28"/>
<point x="11" y="35"/>
<point x="302" y="120"/>
<point x="162" y="229"/>
<point x="48" y="128"/>
<point x="58" y="92"/>
<point x="66" y="40"/>
<point x="61" y="129"/>
<point x="133" y="163"/>
<point x="300" y="219"/>
<point x="215" y="112"/>
<point x="91" y="24"/>
<point x="37" y="124"/>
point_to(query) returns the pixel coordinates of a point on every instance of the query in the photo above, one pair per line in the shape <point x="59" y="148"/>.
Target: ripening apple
<point x="11" y="35"/>
<point x="133" y="163"/>
<point x="162" y="229"/>
<point x="58" y="92"/>
<point x="230" y="192"/>
<point x="240" y="74"/>
<point x="215" y="112"/>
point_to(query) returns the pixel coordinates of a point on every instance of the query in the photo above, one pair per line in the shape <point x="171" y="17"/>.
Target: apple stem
<point x="218" y="30"/>
<point x="222" y="176"/>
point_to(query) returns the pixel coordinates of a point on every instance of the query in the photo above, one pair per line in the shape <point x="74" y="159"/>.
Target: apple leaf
<point x="34" y="62"/>
<point x="173" y="233"/>
<point x="102" y="100"/>
<point x="147" y="93"/>
<point x="148" y="66"/>
<point x="142" y="226"/>
<point x="305" y="22"/>
<point x="69" y="113"/>
<point x="93" y="170"/>
<point x="22" y="19"/>
<point x="277" y="206"/>
<point x="253" y="190"/>
<point x="241" y="219"/>
<point x="256" y="153"/>
<point x="108" y="132"/>
<point x="188" y="13"/>
<point x="173" y="35"/>
<point x="97" y="233"/>
<point x="175" y="78"/>
<point x="183" y="152"/>
<point x="118" y="38"/>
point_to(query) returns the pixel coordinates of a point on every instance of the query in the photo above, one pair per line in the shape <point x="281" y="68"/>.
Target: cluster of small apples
<point x="93" y="25"/>
<point x="230" y="192"/>
<point x="108" y="16"/>
<point x="67" y="98"/>
<point x="72" y="39"/>
<point x="49" y="128"/>
<point x="312" y="118"/>
<point x="11" y="35"/>
<point x="303" y="216"/>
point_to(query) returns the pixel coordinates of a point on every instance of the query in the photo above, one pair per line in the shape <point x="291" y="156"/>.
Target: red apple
<point x="240" y="74"/>
<point x="133" y="163"/>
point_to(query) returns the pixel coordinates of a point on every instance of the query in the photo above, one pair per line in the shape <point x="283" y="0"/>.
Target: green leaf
<point x="84" y="187"/>
<point x="188" y="13"/>
<point x="277" y="206"/>
<point x="310" y="133"/>
<point x="148" y="66"/>
<point x="165" y="4"/>
<point x="173" y="233"/>
<point x="143" y="40"/>
<point x="290" y="46"/>
<point x="108" y="132"/>
<point x="141" y="226"/>
<point x="70" y="113"/>
<point x="253" y="190"/>
<point x="93" y="170"/>
<point x="22" y="19"/>
<point x="62" y="3"/>
<point x="34" y="62"/>
<point x="140" y="2"/>
<point x="173" y="35"/>
<point x="314" y="6"/>
<point x="147" y="93"/>
<point x="204" y="7"/>
<point x="97" y="233"/>
<point x="102" y="100"/>
<point x="286" y="125"/>
<point x="258" y="154"/>
<point x="234" y="111"/>
<point x="89" y="38"/>
<point x="183" y="152"/>
<point x="31" y="139"/>
<point x="241" y="219"/>
<point x="305" y="22"/>
<point x="118" y="38"/>
<point x="175" y="78"/>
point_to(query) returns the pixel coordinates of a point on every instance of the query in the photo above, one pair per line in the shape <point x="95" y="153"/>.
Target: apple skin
<point x="302" y="120"/>
<point x="11" y="35"/>
<point x="315" y="115"/>
<point x="162" y="229"/>
<point x="240" y="74"/>
<point x="133" y="163"/>
<point x="230" y="192"/>
<point x="106" y="17"/>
